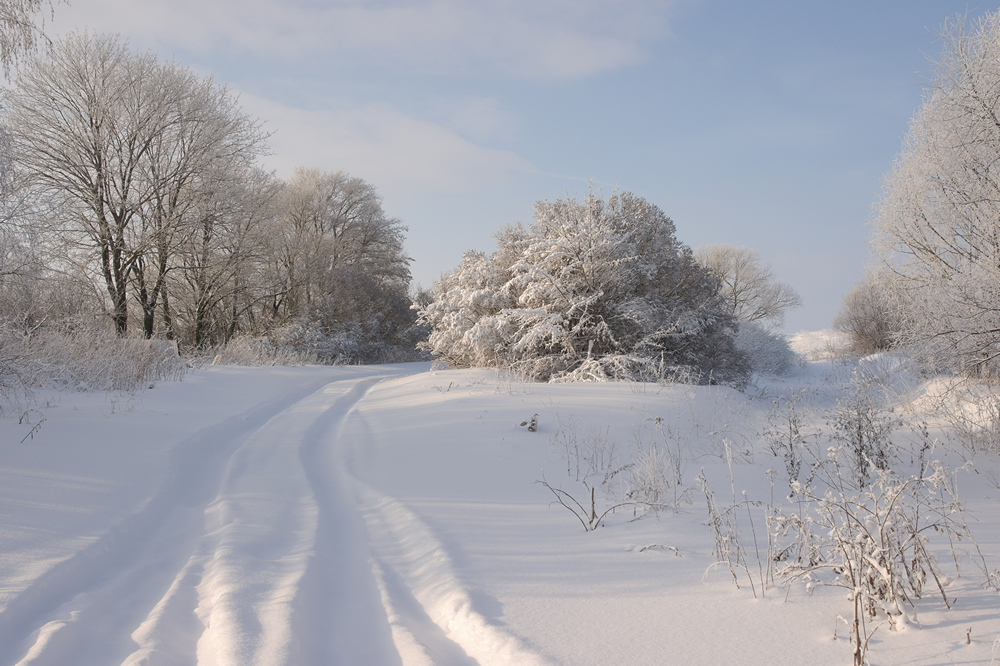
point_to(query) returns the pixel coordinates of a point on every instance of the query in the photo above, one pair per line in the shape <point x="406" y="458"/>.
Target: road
<point x="262" y="548"/>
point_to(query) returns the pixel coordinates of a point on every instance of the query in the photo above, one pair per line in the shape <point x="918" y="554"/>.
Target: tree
<point x="749" y="289"/>
<point x="936" y="224"/>
<point x="870" y="315"/>
<point x="18" y="32"/>
<point x="131" y="148"/>
<point x="340" y="265"/>
<point x="223" y="282"/>
<point x="592" y="289"/>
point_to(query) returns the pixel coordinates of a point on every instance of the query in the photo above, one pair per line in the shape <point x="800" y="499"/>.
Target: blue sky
<point x="767" y="123"/>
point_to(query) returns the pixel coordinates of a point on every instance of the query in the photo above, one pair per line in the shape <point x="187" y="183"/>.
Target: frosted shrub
<point x="651" y="480"/>
<point x="972" y="409"/>
<point x="589" y="450"/>
<point x="592" y="461"/>
<point x="593" y="290"/>
<point x="89" y="360"/>
<point x="13" y="381"/>
<point x="786" y="433"/>
<point x="627" y="367"/>
<point x="724" y="523"/>
<point x="768" y="352"/>
<point x="862" y="422"/>
<point x="875" y="543"/>
<point x="253" y="351"/>
<point x="83" y="358"/>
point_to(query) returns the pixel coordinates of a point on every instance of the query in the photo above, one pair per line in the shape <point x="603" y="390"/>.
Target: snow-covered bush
<point x="84" y="358"/>
<point x="598" y="289"/>
<point x="875" y="543"/>
<point x="768" y="352"/>
<point x="255" y="351"/>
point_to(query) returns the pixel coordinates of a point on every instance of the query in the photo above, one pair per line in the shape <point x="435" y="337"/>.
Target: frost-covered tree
<point x="749" y="290"/>
<point x="592" y="289"/>
<point x="340" y="266"/>
<point x="871" y="314"/>
<point x="936" y="224"/>
<point x="131" y="149"/>
<point x="19" y="32"/>
<point x="222" y="280"/>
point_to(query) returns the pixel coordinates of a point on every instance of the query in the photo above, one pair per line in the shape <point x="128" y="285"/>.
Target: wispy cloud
<point x="534" y="39"/>
<point x="400" y="153"/>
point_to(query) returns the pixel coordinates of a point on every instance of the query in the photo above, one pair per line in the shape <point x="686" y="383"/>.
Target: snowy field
<point x="392" y="514"/>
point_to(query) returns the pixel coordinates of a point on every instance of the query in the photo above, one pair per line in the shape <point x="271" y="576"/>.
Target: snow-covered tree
<point x="870" y="314"/>
<point x="749" y="289"/>
<point x="592" y="289"/>
<point x="19" y="33"/>
<point x="936" y="224"/>
<point x="131" y="149"/>
<point x="340" y="266"/>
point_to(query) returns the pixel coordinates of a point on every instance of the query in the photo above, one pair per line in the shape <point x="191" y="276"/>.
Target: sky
<point x="768" y="124"/>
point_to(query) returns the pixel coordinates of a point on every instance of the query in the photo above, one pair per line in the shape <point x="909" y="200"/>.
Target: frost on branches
<point x="594" y="290"/>
<point x="936" y="225"/>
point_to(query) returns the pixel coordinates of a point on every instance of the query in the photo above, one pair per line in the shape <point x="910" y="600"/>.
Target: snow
<point x="392" y="515"/>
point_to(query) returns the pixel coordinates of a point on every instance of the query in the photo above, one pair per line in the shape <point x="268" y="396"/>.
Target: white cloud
<point x="397" y="152"/>
<point x="542" y="39"/>
<point x="478" y="118"/>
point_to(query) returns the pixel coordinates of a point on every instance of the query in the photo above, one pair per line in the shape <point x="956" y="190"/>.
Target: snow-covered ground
<point x="392" y="514"/>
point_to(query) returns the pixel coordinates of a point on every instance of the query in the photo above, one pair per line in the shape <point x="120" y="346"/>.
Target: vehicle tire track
<point x="85" y="609"/>
<point x="431" y="613"/>
<point x="265" y="549"/>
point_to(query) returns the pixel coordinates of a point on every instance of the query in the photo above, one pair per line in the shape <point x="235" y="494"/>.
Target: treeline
<point x="134" y="201"/>
<point x="134" y="207"/>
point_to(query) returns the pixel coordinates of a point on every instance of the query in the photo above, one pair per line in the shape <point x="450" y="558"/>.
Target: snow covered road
<point x="254" y="551"/>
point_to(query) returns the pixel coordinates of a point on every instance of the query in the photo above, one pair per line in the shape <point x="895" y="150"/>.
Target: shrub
<point x="592" y="290"/>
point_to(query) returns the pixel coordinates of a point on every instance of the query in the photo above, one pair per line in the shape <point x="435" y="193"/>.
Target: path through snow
<point x="256" y="551"/>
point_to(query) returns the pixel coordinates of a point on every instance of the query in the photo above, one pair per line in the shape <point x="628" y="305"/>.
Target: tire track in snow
<point x="140" y="585"/>
<point x="52" y="605"/>
<point x="339" y="617"/>
<point x="264" y="549"/>
<point x="289" y="581"/>
<point x="431" y="614"/>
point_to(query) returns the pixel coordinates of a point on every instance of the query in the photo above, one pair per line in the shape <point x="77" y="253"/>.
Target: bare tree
<point x="748" y="287"/>
<point x="334" y="222"/>
<point x="225" y="258"/>
<point x="871" y="315"/>
<point x="936" y="224"/>
<point x="19" y="32"/>
<point x="205" y="156"/>
<point x="340" y="261"/>
<point x="130" y="147"/>
<point x="82" y="124"/>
